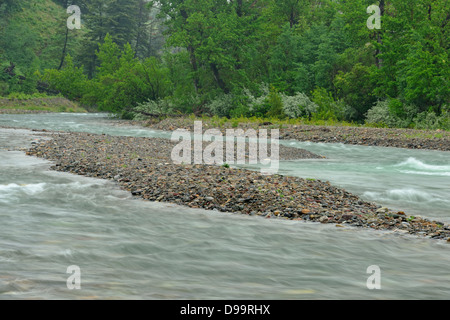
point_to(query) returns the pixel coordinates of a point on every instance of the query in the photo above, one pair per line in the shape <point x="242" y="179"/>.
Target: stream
<point x="128" y="248"/>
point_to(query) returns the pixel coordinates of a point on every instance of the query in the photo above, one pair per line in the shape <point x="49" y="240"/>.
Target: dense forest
<point x="284" y="59"/>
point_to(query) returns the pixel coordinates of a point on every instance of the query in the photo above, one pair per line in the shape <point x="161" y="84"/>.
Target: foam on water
<point x="13" y="189"/>
<point x="426" y="173"/>
<point x="407" y="194"/>
<point x="413" y="163"/>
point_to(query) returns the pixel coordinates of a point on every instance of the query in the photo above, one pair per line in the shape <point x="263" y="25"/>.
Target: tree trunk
<point x="239" y="8"/>
<point x="378" y="61"/>
<point x="218" y="78"/>
<point x="193" y="60"/>
<point x="139" y="29"/>
<point x="64" y="49"/>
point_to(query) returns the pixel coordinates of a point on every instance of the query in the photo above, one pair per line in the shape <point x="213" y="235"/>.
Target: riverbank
<point x="32" y="105"/>
<point x="143" y="167"/>
<point x="381" y="137"/>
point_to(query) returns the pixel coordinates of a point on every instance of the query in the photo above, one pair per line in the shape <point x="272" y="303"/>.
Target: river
<point x="133" y="249"/>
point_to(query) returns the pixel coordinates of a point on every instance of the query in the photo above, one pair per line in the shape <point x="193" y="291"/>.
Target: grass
<point x="39" y="103"/>
<point x="32" y="107"/>
<point x="424" y="135"/>
<point x="274" y="123"/>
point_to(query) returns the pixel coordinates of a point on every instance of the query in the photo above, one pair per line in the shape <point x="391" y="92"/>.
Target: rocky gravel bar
<point x="143" y="166"/>
<point x="381" y="137"/>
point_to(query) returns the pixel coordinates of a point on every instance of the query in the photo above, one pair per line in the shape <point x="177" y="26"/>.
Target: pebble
<point x="323" y="219"/>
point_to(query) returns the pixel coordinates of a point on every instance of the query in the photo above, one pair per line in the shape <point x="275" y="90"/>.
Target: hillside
<point x="32" y="37"/>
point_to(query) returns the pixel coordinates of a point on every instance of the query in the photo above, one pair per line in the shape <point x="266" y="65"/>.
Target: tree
<point x="414" y="52"/>
<point x="9" y="6"/>
<point x="216" y="37"/>
<point x="122" y="81"/>
<point x="97" y="24"/>
<point x="69" y="81"/>
<point x="122" y="22"/>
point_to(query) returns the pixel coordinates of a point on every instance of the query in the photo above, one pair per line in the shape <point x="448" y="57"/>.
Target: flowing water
<point x="132" y="249"/>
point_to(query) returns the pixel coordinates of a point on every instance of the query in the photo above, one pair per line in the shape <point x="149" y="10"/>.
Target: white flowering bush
<point x="343" y="111"/>
<point x="222" y="105"/>
<point x="379" y="114"/>
<point x="298" y="106"/>
<point x="257" y="103"/>
<point x="431" y="121"/>
<point x="389" y="113"/>
<point x="151" y="107"/>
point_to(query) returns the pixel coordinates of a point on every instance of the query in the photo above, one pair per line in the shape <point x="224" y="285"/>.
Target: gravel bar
<point x="381" y="137"/>
<point x="143" y="167"/>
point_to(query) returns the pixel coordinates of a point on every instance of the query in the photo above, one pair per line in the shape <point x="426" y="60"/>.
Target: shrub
<point x="392" y="113"/>
<point x="276" y="107"/>
<point x="24" y="96"/>
<point x="160" y="107"/>
<point x="4" y="88"/>
<point x="258" y="106"/>
<point x="70" y="81"/>
<point x="330" y="109"/>
<point x="431" y="121"/>
<point x="380" y="115"/>
<point x="298" y="106"/>
<point x="222" y="105"/>
<point x="240" y="111"/>
<point x="356" y="88"/>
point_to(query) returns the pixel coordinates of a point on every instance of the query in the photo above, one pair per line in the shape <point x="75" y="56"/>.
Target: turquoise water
<point x="132" y="249"/>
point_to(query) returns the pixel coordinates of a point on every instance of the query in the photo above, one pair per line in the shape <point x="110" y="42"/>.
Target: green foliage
<point x="8" y="7"/>
<point x="24" y="96"/>
<point x="380" y="115"/>
<point x="151" y="107"/>
<point x="285" y="58"/>
<point x="424" y="75"/>
<point x="431" y="121"/>
<point x="356" y="88"/>
<point x="70" y="81"/>
<point x="317" y="60"/>
<point x="393" y="113"/>
<point x="275" y="103"/>
<point x="4" y="88"/>
<point x="122" y="81"/>
<point x="331" y="109"/>
<point x="257" y="104"/>
<point x="222" y="105"/>
<point x="413" y="49"/>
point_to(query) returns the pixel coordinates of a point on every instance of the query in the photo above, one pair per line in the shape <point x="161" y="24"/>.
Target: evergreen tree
<point x="97" y="24"/>
<point x="122" y="20"/>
